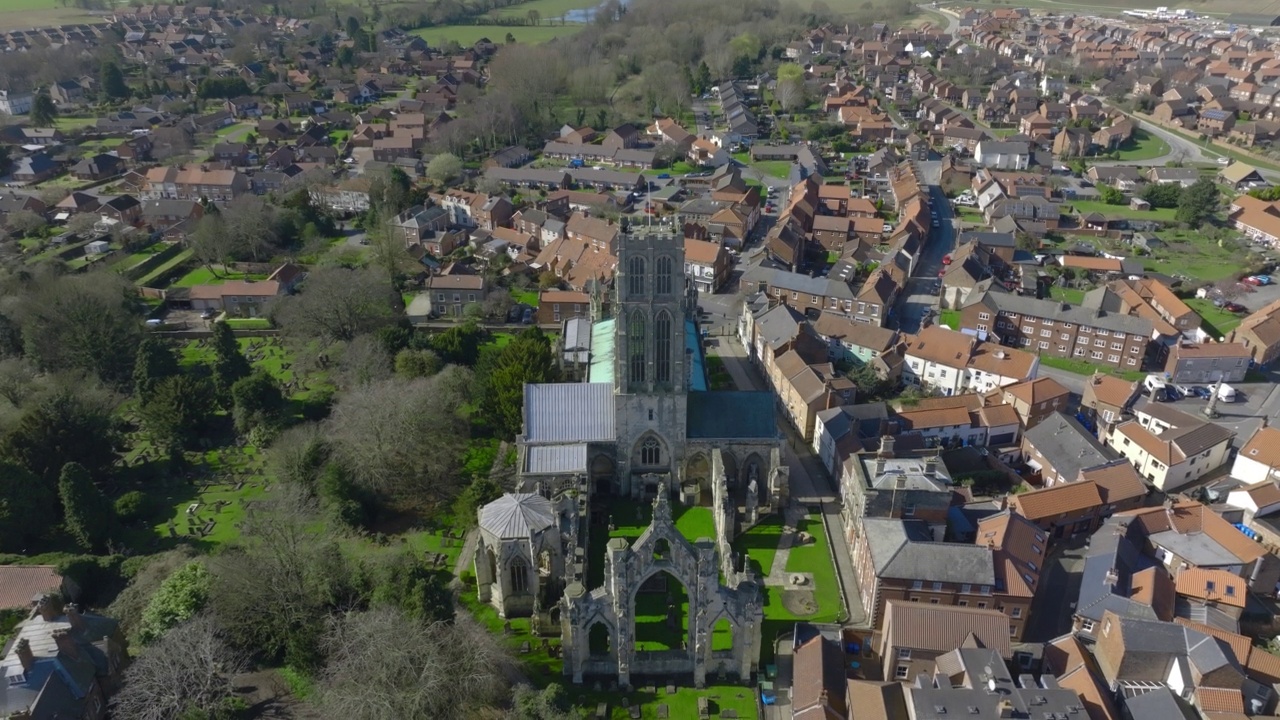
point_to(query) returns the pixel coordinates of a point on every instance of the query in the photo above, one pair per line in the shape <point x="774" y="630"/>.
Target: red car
<point x="1251" y="280"/>
<point x="1235" y="308"/>
<point x="946" y="259"/>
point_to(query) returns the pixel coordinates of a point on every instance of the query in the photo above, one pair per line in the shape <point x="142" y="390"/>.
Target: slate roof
<point x="542" y="459"/>
<point x="903" y="550"/>
<point x="568" y="413"/>
<point x="517" y="515"/>
<point x="1115" y="322"/>
<point x="731" y="414"/>
<point x="1067" y="446"/>
<point x="1113" y="549"/>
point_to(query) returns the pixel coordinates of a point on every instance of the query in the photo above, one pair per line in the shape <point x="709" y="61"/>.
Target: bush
<point x="134" y="506"/>
<point x="178" y="599"/>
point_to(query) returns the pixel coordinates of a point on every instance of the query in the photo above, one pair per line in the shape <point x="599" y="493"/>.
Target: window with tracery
<point x="519" y="576"/>
<point x="662" y="348"/>
<point x="663" y="276"/>
<point x="635" y="345"/>
<point x="651" y="452"/>
<point x="635" y="275"/>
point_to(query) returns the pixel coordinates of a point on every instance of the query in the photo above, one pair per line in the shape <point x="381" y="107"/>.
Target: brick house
<point x="1072" y="508"/>
<point x="450" y="294"/>
<point x="555" y="306"/>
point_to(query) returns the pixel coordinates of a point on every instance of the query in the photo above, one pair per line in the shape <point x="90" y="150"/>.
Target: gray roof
<point x="909" y="471"/>
<point x="1003" y="148"/>
<point x="608" y="177"/>
<point x="1110" y="549"/>
<point x="778" y="325"/>
<point x="557" y="413"/>
<point x="902" y="549"/>
<point x="517" y="515"/>
<point x="797" y="282"/>
<point x="983" y="669"/>
<point x="526" y="175"/>
<point x="1159" y="704"/>
<point x="1067" y="446"/>
<point x="1114" y="322"/>
<point x="988" y="239"/>
<point x="553" y="459"/>
<point x="732" y="414"/>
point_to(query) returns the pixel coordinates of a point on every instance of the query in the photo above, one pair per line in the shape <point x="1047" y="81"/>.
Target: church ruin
<point x="643" y="426"/>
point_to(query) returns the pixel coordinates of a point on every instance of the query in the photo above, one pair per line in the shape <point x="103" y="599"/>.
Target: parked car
<point x="1200" y="391"/>
<point x="527" y="319"/>
<point x="1251" y="280"/>
<point x="946" y="259"/>
<point x="1258" y="280"/>
<point x="1235" y="308"/>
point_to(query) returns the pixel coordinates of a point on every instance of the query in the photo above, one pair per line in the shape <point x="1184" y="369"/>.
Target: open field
<point x="1084" y="367"/>
<point x="466" y="35"/>
<point x="1068" y="295"/>
<point x="1113" y="7"/>
<point x="1143" y="146"/>
<point x="1190" y="253"/>
<point x="1214" y="320"/>
<point x="1123" y="211"/>
<point x="547" y="9"/>
<point x="26" y="14"/>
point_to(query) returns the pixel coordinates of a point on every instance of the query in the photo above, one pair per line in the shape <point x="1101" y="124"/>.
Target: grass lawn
<point x="248" y="323"/>
<point x="1083" y="367"/>
<point x="528" y="297"/>
<point x="1214" y="320"/>
<point x="630" y="520"/>
<point x="773" y="168"/>
<point x="760" y="544"/>
<point x="950" y="318"/>
<point x="718" y="377"/>
<point x="67" y="124"/>
<point x="198" y="276"/>
<point x="160" y="275"/>
<point x="972" y="215"/>
<point x="814" y="558"/>
<point x="467" y="35"/>
<point x="1084" y="207"/>
<point x="1190" y="253"/>
<point x="547" y="9"/>
<point x="1070" y="295"/>
<point x="1143" y="146"/>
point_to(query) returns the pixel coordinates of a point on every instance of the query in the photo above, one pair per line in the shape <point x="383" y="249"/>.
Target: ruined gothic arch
<point x="686" y="615"/>
<point x="755" y="468"/>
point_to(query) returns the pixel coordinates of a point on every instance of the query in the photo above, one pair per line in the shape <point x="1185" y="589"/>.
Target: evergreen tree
<point x="1198" y="202"/>
<point x="527" y="359"/>
<point x="113" y="84"/>
<point x="43" y="111"/>
<point x="229" y="365"/>
<point x="88" y="514"/>
<point x="155" y="362"/>
<point x="258" y="402"/>
<point x="25" y="507"/>
<point x="177" y="411"/>
<point x="704" y="76"/>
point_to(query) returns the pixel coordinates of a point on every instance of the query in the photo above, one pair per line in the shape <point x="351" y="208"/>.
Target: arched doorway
<point x="599" y="640"/>
<point x="754" y="468"/>
<point x="661" y="614"/>
<point x="603" y="473"/>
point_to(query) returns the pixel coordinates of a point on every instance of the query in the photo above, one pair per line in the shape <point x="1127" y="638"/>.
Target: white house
<point x="1171" y="448"/>
<point x="1002" y="155"/>
<point x="1259" y="459"/>
<point x="954" y="362"/>
<point x="15" y="103"/>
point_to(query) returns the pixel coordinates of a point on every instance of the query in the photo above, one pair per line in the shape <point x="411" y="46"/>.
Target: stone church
<point x="642" y="427"/>
<point x="645" y="414"/>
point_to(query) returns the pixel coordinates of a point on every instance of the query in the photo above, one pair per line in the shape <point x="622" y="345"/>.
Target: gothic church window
<point x="519" y="576"/>
<point x="636" y="345"/>
<point x="651" y="452"/>
<point x="635" y="272"/>
<point x="663" y="276"/>
<point x="662" y="352"/>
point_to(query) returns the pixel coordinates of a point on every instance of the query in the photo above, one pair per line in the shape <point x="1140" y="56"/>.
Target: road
<point x="918" y="301"/>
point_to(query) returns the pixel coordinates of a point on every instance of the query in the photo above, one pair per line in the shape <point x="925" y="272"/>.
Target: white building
<point x="1259" y="459"/>
<point x="1002" y="155"/>
<point x="15" y="103"/>
<point x="954" y="362"/>
<point x="1170" y="448"/>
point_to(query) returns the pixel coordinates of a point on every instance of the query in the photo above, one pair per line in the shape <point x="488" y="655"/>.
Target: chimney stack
<point x="66" y="644"/>
<point x="886" y="446"/>
<point x="49" y="607"/>
<point x="931" y="466"/>
<point x="74" y="617"/>
<point x="1006" y="709"/>
<point x="25" y="656"/>
<point x="1112" y="577"/>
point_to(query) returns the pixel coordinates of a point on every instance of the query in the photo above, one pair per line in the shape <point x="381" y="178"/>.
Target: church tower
<point x="653" y="309"/>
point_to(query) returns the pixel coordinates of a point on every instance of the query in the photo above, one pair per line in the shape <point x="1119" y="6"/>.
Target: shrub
<point x="178" y="599"/>
<point x="134" y="506"/>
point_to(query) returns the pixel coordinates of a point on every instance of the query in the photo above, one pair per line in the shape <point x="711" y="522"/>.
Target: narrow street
<point x="810" y="484"/>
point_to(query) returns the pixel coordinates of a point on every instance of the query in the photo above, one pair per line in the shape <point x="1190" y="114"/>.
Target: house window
<point x="1117" y="346"/>
<point x="917" y="585"/>
<point x="1113" y="358"/>
<point x="982" y="327"/>
<point x="862" y="307"/>
<point x="908" y="510"/>
<point x="984" y="316"/>
<point x="1016" y="612"/>
<point x="1028" y="329"/>
<point x="1064" y="336"/>
<point x="901" y="671"/>
<point x="1013" y="630"/>
<point x="966" y="588"/>
<point x="1133" y="361"/>
<point x="1086" y="625"/>
<point x="1044" y="346"/>
<point x="904" y="653"/>
<point x="1046" y="333"/>
<point x="1066" y="325"/>
<point x="982" y="605"/>
<point x="440" y="297"/>
<point x="937" y="587"/>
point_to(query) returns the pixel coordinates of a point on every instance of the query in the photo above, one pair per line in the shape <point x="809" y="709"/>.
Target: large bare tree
<point x="337" y="304"/>
<point x="383" y="664"/>
<point x="188" y="670"/>
<point x="404" y="437"/>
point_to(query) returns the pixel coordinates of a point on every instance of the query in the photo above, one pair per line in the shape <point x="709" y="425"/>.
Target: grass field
<point x="27" y="14"/>
<point x="1143" y="146"/>
<point x="1123" y="211"/>
<point x="466" y="35"/>
<point x="1070" y="295"/>
<point x="547" y="9"/>
<point x="162" y="273"/>
<point x="1214" y="320"/>
<point x="1083" y="367"/>
<point x="774" y="168"/>
<point x="1191" y="254"/>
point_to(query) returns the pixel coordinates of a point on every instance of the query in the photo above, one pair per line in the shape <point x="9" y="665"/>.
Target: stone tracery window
<point x="636" y="347"/>
<point x="635" y="271"/>
<point x="662" y="348"/>
<point x="651" y="452"/>
<point x="519" y="576"/>
<point x="663" y="276"/>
